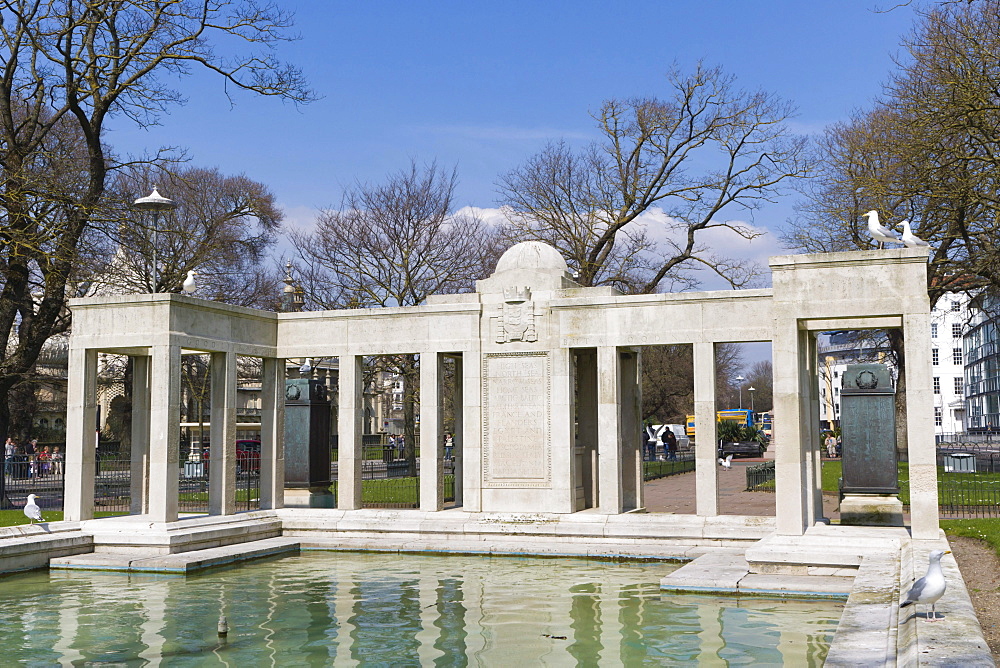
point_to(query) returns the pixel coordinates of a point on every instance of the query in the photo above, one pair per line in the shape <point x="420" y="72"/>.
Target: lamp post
<point x="740" y="379"/>
<point x="156" y="204"/>
<point x="751" y="390"/>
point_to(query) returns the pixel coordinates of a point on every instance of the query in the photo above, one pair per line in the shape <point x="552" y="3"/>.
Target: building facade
<point x="982" y="368"/>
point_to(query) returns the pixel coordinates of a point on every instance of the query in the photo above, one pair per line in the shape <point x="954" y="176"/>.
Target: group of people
<point x="30" y="460"/>
<point x="669" y="441"/>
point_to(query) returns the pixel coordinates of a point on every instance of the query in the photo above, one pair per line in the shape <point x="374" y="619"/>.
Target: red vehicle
<point x="247" y="455"/>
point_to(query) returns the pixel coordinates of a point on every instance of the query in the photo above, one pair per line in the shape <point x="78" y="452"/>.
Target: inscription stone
<point x="516" y="393"/>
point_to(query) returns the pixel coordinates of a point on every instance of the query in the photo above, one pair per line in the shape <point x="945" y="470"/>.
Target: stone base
<point x="871" y="510"/>
<point x="304" y="497"/>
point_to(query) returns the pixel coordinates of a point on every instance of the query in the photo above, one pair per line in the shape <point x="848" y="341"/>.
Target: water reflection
<point x="326" y="608"/>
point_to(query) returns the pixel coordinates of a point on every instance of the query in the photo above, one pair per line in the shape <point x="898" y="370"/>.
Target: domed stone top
<point x="536" y="255"/>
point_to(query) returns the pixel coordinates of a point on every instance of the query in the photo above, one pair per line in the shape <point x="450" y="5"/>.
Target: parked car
<point x="247" y="455"/>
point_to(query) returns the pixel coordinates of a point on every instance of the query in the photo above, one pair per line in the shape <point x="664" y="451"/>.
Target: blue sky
<point x="484" y="85"/>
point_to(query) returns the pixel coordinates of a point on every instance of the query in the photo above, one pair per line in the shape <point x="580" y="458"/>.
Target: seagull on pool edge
<point x="929" y="588"/>
<point x="32" y="511"/>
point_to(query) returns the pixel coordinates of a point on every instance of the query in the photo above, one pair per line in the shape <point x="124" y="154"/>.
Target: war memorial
<point x="547" y="454"/>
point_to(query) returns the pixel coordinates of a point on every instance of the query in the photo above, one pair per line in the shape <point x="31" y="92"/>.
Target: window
<point x="934" y="356"/>
<point x="933" y="330"/>
<point x="958" y="385"/>
<point x="956" y="330"/>
<point x="956" y="356"/>
<point x="937" y="385"/>
<point x="938" y="421"/>
<point x="955" y="306"/>
<point x="836" y="407"/>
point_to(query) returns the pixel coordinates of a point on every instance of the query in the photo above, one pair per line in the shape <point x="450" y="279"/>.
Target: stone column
<point x="609" y="442"/>
<point x="351" y="414"/>
<point x="272" y="429"/>
<point x="706" y="450"/>
<point x="921" y="448"/>
<point x="814" y="459"/>
<point x="472" y="432"/>
<point x="586" y="417"/>
<point x="431" y="433"/>
<point x="630" y="428"/>
<point x="164" y="432"/>
<point x="458" y="437"/>
<point x="563" y="472"/>
<point x="222" y="467"/>
<point x="81" y="435"/>
<point x="139" y="471"/>
<point x="791" y="385"/>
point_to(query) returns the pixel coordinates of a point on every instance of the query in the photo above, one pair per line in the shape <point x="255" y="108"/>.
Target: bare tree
<point x="927" y="151"/>
<point x="706" y="151"/>
<point x="393" y="244"/>
<point x="222" y="229"/>
<point x="66" y="68"/>
<point x="668" y="380"/>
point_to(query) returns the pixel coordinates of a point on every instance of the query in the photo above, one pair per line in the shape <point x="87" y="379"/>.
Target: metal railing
<point x="760" y="477"/>
<point x="652" y="470"/>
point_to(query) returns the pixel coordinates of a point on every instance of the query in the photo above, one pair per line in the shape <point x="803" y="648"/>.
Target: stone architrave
<point x="517" y="390"/>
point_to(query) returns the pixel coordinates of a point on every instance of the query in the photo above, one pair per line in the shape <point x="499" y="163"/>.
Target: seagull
<point x="306" y="366"/>
<point x="31" y="510"/>
<point x="189" y="285"/>
<point x="726" y="463"/>
<point x="909" y="238"/>
<point x="879" y="233"/>
<point x="929" y="588"/>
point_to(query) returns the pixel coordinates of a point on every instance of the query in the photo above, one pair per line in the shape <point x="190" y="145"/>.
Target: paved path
<point x="676" y="494"/>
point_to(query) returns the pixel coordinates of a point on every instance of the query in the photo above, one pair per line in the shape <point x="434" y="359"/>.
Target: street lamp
<point x="751" y="390"/>
<point x="155" y="203"/>
<point x="740" y="379"/>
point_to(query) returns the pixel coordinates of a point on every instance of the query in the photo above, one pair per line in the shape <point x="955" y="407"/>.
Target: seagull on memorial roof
<point x="909" y="238"/>
<point x="189" y="284"/>
<point x="929" y="588"/>
<point x="880" y="233"/>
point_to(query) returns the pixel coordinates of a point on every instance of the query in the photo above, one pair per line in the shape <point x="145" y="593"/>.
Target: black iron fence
<point x="760" y="477"/>
<point x="652" y="470"/>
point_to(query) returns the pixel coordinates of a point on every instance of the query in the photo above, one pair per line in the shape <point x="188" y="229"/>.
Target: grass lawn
<point x="986" y="529"/>
<point x="11" y="518"/>
<point x="397" y="490"/>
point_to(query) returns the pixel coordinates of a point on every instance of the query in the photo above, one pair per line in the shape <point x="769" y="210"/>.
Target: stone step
<point x="180" y="563"/>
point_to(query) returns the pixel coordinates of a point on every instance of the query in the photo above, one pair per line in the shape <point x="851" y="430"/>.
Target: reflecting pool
<point x="331" y="608"/>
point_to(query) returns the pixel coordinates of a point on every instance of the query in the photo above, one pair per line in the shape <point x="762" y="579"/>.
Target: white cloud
<point x="299" y="217"/>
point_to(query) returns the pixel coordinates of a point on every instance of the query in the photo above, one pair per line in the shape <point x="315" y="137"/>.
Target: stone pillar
<point x="351" y="414"/>
<point x="814" y="455"/>
<point x="706" y="450"/>
<point x="921" y="449"/>
<point x="81" y="435"/>
<point x="561" y="439"/>
<point x="222" y="466"/>
<point x="586" y="418"/>
<point x="458" y="437"/>
<point x="791" y="386"/>
<point x="272" y="429"/>
<point x="609" y="441"/>
<point x="630" y="428"/>
<point x="431" y="432"/>
<point x="472" y="432"/>
<point x="139" y="470"/>
<point x="164" y="432"/>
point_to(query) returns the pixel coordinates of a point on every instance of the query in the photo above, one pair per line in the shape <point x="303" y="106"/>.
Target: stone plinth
<point x="871" y="510"/>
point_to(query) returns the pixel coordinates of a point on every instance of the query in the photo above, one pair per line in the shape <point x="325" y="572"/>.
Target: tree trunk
<point x="410" y="379"/>
<point x="896" y="345"/>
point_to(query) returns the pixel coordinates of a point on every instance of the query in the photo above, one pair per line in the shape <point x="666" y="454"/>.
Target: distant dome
<point x="536" y="255"/>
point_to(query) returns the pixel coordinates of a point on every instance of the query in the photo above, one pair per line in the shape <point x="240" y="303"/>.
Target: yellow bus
<point x="742" y="415"/>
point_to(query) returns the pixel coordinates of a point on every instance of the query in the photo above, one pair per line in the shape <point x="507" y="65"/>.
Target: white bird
<point x="909" y="238"/>
<point x="31" y="510"/>
<point x="306" y="366"/>
<point x="726" y="463"/>
<point x="189" y="285"/>
<point x="879" y="233"/>
<point x="929" y="588"/>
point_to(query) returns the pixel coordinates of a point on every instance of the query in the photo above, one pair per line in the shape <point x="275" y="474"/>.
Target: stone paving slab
<point x="181" y="563"/>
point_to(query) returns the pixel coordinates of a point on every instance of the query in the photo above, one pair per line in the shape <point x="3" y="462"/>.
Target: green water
<point x="328" y="608"/>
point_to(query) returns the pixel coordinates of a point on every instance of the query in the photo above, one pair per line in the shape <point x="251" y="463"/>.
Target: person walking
<point x="670" y="444"/>
<point x="32" y="452"/>
<point x="831" y="445"/>
<point x="9" y="450"/>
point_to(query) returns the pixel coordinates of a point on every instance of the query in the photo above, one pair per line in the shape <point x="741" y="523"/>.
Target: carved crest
<point x="516" y="320"/>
